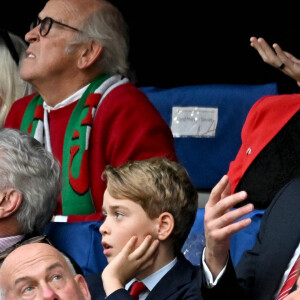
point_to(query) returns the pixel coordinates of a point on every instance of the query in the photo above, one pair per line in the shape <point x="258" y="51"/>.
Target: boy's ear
<point x="10" y="202"/>
<point x="89" y="54"/>
<point x="165" y="225"/>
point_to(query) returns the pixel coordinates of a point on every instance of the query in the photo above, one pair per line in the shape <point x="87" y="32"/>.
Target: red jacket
<point x="265" y="119"/>
<point x="127" y="127"/>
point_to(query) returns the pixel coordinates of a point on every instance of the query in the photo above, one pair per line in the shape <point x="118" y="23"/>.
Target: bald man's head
<point x="40" y="271"/>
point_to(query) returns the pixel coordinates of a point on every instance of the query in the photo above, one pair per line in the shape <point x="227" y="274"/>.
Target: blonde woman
<point x="12" y="87"/>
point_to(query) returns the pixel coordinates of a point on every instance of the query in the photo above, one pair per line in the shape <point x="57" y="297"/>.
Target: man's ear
<point x="89" y="54"/>
<point x="82" y="284"/>
<point x="10" y="202"/>
<point x="165" y="225"/>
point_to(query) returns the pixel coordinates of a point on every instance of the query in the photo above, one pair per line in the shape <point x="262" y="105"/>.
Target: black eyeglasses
<point x="35" y="239"/>
<point x="10" y="45"/>
<point x="46" y="25"/>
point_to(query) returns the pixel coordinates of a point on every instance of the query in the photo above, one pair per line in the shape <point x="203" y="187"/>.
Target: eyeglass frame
<point x="31" y="240"/>
<point x="42" y="23"/>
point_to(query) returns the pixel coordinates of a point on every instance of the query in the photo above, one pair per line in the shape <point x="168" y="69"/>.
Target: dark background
<point x="191" y="42"/>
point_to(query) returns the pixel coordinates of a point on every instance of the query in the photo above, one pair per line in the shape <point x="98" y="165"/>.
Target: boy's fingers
<point x="129" y="246"/>
<point x="148" y="246"/>
<point x="149" y="253"/>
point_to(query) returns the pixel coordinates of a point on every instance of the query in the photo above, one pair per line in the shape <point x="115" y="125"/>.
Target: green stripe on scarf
<point x="74" y="203"/>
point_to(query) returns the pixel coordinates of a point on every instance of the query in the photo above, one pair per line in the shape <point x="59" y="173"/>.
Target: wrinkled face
<point x="38" y="271"/>
<point x="46" y="57"/>
<point x="123" y="219"/>
<point x="296" y="294"/>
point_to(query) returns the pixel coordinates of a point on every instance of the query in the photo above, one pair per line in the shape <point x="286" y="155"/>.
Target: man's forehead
<point x="21" y="264"/>
<point x="30" y="253"/>
<point x="71" y="8"/>
<point x="59" y="9"/>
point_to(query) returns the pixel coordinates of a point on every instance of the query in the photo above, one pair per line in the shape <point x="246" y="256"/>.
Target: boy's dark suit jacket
<point x="260" y="270"/>
<point x="181" y="282"/>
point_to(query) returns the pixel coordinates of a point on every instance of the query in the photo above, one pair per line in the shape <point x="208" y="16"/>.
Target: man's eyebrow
<point x="28" y="278"/>
<point x="55" y="265"/>
<point x="21" y="279"/>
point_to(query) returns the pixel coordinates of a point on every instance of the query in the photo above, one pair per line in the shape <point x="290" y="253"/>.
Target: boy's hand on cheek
<point x="128" y="263"/>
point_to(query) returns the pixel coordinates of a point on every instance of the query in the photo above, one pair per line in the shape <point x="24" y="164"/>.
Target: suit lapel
<point x="279" y="241"/>
<point x="182" y="274"/>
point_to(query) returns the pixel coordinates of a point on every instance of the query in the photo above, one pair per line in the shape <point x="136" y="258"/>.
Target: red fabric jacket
<point x="265" y="119"/>
<point x="127" y="127"/>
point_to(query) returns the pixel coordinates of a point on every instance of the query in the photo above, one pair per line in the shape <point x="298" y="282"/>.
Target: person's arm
<point x="220" y="223"/>
<point x="241" y="281"/>
<point x="210" y="281"/>
<point x="277" y="58"/>
<point x="127" y="263"/>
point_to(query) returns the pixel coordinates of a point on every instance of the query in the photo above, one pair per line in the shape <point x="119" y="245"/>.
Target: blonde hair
<point x="12" y="87"/>
<point x="158" y="185"/>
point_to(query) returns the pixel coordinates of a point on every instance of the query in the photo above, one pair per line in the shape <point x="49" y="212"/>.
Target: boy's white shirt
<point x="151" y="281"/>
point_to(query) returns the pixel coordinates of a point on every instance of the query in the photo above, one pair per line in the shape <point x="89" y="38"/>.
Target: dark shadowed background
<point x="194" y="42"/>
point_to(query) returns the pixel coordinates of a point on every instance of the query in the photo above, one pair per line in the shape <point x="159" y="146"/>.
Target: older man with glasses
<point x="86" y="111"/>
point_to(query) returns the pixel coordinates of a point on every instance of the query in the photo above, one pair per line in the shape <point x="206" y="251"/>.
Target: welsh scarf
<point x="76" y="195"/>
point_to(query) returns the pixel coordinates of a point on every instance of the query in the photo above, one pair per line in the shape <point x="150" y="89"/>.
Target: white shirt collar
<point x="9" y="241"/>
<point x="152" y="280"/>
<point x="77" y="95"/>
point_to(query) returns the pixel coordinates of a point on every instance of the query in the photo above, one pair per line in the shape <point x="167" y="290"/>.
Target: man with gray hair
<point x="30" y="184"/>
<point x="86" y="111"/>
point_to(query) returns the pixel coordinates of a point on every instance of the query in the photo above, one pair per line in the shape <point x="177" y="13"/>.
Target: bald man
<point x="39" y="271"/>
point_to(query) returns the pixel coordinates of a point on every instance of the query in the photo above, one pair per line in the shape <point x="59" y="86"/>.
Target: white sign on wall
<point x="194" y="121"/>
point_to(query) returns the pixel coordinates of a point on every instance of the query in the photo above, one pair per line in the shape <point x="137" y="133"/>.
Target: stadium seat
<point x="206" y="121"/>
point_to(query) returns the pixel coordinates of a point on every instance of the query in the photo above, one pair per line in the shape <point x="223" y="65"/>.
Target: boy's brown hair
<point x="158" y="185"/>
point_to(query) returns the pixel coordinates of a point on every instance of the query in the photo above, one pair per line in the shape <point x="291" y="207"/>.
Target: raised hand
<point x="277" y="58"/>
<point x="220" y="223"/>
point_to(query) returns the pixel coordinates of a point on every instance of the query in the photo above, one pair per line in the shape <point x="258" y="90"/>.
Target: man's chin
<point x="26" y="74"/>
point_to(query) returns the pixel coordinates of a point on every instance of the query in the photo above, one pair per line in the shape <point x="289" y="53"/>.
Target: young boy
<point x="149" y="207"/>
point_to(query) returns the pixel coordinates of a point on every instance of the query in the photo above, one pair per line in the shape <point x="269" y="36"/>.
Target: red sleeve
<point x="133" y="128"/>
<point x="15" y="114"/>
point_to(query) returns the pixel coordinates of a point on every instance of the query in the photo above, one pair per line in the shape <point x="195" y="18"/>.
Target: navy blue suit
<point x="260" y="270"/>
<point x="181" y="282"/>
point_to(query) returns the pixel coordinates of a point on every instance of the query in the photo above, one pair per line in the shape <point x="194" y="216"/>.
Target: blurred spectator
<point x="12" y="87"/>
